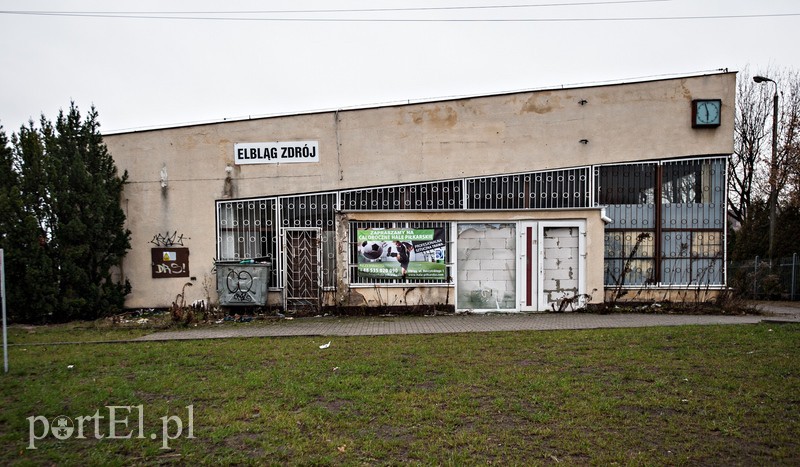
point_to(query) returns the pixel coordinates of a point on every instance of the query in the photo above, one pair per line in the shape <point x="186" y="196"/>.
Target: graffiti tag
<point x="170" y="268"/>
<point x="168" y="239"/>
<point x="239" y="284"/>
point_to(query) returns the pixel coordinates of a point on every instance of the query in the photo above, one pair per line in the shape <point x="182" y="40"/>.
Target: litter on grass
<point x="325" y="346"/>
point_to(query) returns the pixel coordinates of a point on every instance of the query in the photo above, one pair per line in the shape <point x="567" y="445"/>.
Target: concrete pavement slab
<point x="375" y="326"/>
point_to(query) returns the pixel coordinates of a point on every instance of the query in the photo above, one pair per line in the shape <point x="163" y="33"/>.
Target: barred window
<point x="555" y="189"/>
<point x="630" y="257"/>
<point x="315" y="210"/>
<point x="247" y="230"/>
<point x="686" y="225"/>
<point x="434" y="196"/>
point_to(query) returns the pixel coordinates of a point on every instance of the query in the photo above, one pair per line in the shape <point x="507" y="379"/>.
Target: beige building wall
<point x="176" y="174"/>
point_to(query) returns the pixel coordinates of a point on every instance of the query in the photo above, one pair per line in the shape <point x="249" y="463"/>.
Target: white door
<point x="563" y="264"/>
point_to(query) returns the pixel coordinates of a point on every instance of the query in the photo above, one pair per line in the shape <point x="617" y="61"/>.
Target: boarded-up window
<point x="487" y="278"/>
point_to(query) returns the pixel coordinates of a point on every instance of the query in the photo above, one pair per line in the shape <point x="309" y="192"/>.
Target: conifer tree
<point x="72" y="237"/>
<point x="31" y="294"/>
<point x="88" y="234"/>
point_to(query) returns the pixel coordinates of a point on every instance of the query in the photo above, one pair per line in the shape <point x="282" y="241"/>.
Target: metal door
<point x="302" y="271"/>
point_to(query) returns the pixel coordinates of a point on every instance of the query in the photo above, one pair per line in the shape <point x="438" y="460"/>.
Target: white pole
<point x="3" y="294"/>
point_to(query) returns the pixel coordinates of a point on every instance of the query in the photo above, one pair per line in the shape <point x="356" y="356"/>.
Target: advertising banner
<point x="402" y="254"/>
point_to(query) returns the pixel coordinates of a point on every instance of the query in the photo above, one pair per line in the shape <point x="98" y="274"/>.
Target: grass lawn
<point x="690" y="395"/>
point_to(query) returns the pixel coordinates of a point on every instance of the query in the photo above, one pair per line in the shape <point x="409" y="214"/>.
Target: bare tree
<point x="751" y="139"/>
<point x="750" y="168"/>
<point x="789" y="147"/>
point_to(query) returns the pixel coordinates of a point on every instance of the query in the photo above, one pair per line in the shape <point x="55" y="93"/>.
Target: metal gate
<point x="302" y="259"/>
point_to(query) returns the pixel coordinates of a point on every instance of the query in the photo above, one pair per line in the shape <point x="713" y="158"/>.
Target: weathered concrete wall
<point x="408" y="143"/>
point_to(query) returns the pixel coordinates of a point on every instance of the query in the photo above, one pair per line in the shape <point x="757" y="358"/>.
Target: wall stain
<point x="439" y="116"/>
<point x="540" y="103"/>
<point x="687" y="94"/>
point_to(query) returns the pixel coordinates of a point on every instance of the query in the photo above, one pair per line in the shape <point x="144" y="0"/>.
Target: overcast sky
<point x="247" y="59"/>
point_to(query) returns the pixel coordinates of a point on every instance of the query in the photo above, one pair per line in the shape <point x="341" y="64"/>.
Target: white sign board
<point x="278" y="152"/>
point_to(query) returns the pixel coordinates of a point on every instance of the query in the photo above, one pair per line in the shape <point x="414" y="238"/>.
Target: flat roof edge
<point x="429" y="100"/>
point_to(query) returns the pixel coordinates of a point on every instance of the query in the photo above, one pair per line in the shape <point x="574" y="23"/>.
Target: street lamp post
<point x="773" y="170"/>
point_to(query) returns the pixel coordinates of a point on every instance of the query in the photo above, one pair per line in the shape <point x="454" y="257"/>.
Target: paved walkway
<point x="788" y="310"/>
<point x="373" y="326"/>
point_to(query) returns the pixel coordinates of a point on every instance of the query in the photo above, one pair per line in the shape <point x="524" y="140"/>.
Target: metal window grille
<point x="627" y="184"/>
<point x="247" y="229"/>
<point x="693" y="221"/>
<point x="315" y="211"/>
<point x="685" y="214"/>
<point x="692" y="257"/>
<point x="693" y="194"/>
<point x="629" y="257"/>
<point x="555" y="189"/>
<point x="435" y="196"/>
<point x="628" y="192"/>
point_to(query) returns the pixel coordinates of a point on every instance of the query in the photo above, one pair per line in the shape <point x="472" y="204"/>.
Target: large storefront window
<point x="667" y="222"/>
<point x="487" y="267"/>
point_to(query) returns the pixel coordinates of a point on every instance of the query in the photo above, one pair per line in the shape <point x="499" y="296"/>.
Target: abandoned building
<point x="523" y="201"/>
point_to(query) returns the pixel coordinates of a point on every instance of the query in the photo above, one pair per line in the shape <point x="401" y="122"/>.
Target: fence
<point x="761" y="279"/>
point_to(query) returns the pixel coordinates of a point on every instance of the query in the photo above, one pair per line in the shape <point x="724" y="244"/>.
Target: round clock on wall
<point x="706" y="113"/>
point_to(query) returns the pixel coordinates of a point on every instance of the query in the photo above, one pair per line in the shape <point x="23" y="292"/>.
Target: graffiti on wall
<point x="169" y="262"/>
<point x="168" y="239"/>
